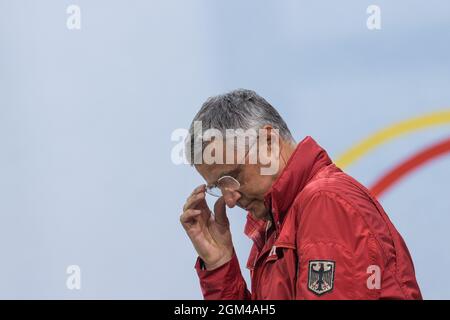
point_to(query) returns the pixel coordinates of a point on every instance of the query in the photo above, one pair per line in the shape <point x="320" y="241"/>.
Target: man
<point x="317" y="232"/>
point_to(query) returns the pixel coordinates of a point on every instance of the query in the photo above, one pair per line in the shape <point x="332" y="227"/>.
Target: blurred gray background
<point x="86" y="118"/>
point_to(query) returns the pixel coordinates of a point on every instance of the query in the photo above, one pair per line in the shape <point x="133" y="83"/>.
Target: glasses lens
<point x="214" y="191"/>
<point x="226" y="183"/>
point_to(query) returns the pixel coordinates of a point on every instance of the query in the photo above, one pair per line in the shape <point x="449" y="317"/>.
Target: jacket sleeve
<point x="223" y="283"/>
<point x="337" y="258"/>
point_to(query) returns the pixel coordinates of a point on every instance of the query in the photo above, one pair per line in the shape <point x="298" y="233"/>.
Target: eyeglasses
<point x="225" y="183"/>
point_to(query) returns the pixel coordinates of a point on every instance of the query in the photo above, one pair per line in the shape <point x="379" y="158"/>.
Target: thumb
<point x="221" y="213"/>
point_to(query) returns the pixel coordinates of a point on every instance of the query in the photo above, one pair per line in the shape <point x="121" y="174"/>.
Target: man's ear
<point x="270" y="137"/>
<point x="269" y="154"/>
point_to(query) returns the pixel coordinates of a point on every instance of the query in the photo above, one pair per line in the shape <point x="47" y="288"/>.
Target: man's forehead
<point x="225" y="151"/>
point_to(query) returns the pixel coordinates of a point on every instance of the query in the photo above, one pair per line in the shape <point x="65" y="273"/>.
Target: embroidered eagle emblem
<point x="321" y="276"/>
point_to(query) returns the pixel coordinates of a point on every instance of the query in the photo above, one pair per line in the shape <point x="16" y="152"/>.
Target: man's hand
<point x="210" y="234"/>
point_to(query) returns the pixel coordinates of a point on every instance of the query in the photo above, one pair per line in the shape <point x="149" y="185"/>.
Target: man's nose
<point x="231" y="197"/>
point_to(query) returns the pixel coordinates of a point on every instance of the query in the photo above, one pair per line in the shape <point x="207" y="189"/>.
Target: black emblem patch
<point x="321" y="276"/>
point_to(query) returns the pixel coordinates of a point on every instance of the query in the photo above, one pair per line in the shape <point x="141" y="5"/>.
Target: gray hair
<point x="238" y="109"/>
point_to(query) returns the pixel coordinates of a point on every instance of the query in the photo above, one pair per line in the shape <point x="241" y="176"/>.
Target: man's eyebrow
<point x="231" y="173"/>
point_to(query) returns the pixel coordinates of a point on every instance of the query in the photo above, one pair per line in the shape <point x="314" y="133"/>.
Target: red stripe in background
<point x="408" y="166"/>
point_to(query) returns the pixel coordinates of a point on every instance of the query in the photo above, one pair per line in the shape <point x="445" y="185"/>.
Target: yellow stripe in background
<point x="398" y="129"/>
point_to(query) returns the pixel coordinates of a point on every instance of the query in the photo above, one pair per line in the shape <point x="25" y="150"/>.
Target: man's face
<point x="253" y="185"/>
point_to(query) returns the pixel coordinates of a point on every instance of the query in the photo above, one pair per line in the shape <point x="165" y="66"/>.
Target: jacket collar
<point x="307" y="159"/>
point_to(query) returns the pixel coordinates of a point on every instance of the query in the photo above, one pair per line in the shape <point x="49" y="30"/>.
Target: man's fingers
<point x="193" y="200"/>
<point x="201" y="187"/>
<point x="220" y="212"/>
<point x="188" y="215"/>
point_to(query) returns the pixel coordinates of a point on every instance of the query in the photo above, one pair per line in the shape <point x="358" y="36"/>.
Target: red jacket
<point x="330" y="239"/>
